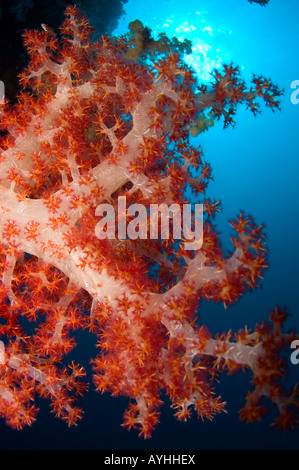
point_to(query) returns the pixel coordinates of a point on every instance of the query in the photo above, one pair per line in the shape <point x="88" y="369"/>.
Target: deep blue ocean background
<point x="255" y="168"/>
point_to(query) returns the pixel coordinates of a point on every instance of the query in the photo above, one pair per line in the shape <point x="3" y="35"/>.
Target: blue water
<point x="255" y="168"/>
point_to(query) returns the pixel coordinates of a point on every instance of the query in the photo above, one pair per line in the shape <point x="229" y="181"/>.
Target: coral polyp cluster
<point x="97" y="120"/>
<point x="260" y="2"/>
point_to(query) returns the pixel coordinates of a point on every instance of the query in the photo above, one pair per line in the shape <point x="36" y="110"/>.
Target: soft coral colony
<point x="98" y="120"/>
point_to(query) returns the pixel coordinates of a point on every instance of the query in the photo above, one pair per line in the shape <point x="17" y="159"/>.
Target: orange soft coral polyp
<point x="95" y="121"/>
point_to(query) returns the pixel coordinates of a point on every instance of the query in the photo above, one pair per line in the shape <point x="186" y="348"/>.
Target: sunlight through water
<point x="210" y="42"/>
